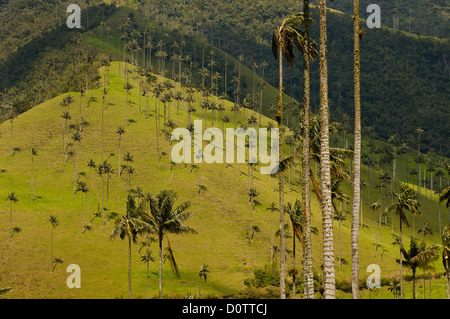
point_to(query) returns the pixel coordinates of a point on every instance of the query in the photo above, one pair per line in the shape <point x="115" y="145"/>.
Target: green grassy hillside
<point x="221" y="214"/>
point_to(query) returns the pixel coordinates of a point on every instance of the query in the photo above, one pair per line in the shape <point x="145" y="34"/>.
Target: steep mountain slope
<point x="400" y="70"/>
<point x="221" y="214"/>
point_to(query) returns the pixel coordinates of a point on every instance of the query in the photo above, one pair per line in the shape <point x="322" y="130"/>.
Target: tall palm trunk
<point x="120" y="139"/>
<point x="148" y="288"/>
<point x="447" y="274"/>
<point x="51" y="251"/>
<point x="271" y="235"/>
<point x="306" y="163"/>
<point x="90" y="186"/>
<point x="12" y="136"/>
<point x="401" y="259"/>
<point x="293" y="268"/>
<point x="129" y="267"/>
<point x="32" y="177"/>
<point x="357" y="156"/>
<point x="160" y="263"/>
<point x="82" y="213"/>
<point x="103" y="119"/>
<point x="10" y="220"/>
<point x="281" y="184"/>
<point x="325" y="177"/>
<point x="156" y="127"/>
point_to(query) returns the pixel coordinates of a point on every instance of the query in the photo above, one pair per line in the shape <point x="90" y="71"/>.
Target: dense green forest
<point x="402" y="73"/>
<point x="407" y="15"/>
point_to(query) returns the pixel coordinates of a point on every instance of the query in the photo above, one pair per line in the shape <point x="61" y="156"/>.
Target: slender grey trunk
<point x="160" y="263"/>
<point x="357" y="156"/>
<point x="325" y="178"/>
<point x="129" y="267"/>
<point x="306" y="164"/>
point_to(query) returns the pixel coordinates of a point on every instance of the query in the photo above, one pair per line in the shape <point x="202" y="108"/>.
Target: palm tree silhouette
<point x="120" y="131"/>
<point x="91" y="164"/>
<point x="284" y="40"/>
<point x="66" y="117"/>
<point x="272" y="208"/>
<point x="308" y="54"/>
<point x="12" y="200"/>
<point x="106" y="169"/>
<point x="54" y="223"/>
<point x="164" y="218"/>
<point x="202" y="274"/>
<point x="418" y="256"/>
<point x="376" y="207"/>
<point x="82" y="187"/>
<point x="406" y="201"/>
<point x="130" y="226"/>
<point x="128" y="87"/>
<point x="252" y="194"/>
<point x="34" y="153"/>
<point x="147" y="258"/>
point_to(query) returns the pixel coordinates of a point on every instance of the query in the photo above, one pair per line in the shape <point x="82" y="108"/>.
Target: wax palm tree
<point x="252" y="121"/>
<point x="12" y="200"/>
<point x="394" y="287"/>
<point x="189" y="99"/>
<point x="147" y="258"/>
<point x="128" y="87"/>
<point x="178" y="97"/>
<point x="91" y="164"/>
<point x="306" y="156"/>
<point x="164" y="219"/>
<point x="225" y="120"/>
<point x="16" y="150"/>
<point x="418" y="256"/>
<point x="128" y="158"/>
<point x="357" y="153"/>
<point x="88" y="60"/>
<point x="406" y="201"/>
<point x="54" y="223"/>
<point x="284" y="40"/>
<point x="252" y="194"/>
<point x="338" y="171"/>
<point x="130" y="226"/>
<point x="34" y="153"/>
<point x="296" y="215"/>
<point x="66" y="117"/>
<point x="106" y="169"/>
<point x="167" y="98"/>
<point x="236" y="109"/>
<point x="157" y="92"/>
<point x="76" y="137"/>
<point x="325" y="179"/>
<point x="203" y="275"/>
<point x="272" y="208"/>
<point x="82" y="187"/>
<point x="120" y="131"/>
<point x="376" y="207"/>
<point x="427" y="229"/>
<point x="15" y="230"/>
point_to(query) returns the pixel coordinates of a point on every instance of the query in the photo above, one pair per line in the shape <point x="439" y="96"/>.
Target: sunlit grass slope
<point x="221" y="214"/>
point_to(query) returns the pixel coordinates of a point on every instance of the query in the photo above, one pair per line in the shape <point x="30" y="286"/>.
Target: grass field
<point x="221" y="214"/>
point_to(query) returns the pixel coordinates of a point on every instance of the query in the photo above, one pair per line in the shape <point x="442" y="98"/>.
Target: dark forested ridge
<point x="405" y="77"/>
<point x="424" y="17"/>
